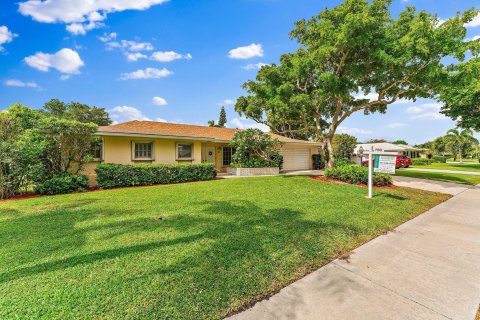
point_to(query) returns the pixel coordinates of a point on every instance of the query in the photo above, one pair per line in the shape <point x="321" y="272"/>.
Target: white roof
<point x="385" y="146"/>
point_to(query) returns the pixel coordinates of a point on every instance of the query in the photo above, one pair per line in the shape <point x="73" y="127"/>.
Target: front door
<point x="208" y="155"/>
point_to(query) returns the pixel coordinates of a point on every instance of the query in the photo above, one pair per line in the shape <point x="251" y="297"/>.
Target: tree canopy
<point x="347" y="53"/>
<point x="400" y="142"/>
<point x="77" y="111"/>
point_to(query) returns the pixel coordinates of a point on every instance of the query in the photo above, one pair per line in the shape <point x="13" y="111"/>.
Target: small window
<point x="143" y="150"/>
<point x="96" y="150"/>
<point x="227" y="154"/>
<point x="185" y="151"/>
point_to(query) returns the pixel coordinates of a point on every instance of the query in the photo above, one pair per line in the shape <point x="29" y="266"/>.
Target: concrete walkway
<point x="427" y="268"/>
<point x="443" y="171"/>
<point x="430" y="185"/>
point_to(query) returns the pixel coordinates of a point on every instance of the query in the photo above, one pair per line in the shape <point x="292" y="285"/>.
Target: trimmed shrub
<point x="111" y="175"/>
<point x="421" y="161"/>
<point x="343" y="162"/>
<point x="439" y="159"/>
<point x="318" y="161"/>
<point x="357" y="175"/>
<point x="64" y="183"/>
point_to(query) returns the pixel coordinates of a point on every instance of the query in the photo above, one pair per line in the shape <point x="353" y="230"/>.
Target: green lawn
<point x="474" y="167"/>
<point x="440" y="176"/>
<point x="187" y="251"/>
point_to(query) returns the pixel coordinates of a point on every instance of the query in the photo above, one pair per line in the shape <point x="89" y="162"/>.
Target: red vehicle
<point x="401" y="162"/>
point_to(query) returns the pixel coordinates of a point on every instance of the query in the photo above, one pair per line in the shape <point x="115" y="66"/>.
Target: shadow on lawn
<point x="246" y="252"/>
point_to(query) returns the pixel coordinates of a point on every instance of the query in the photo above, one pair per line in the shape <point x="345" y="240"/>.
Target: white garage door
<point x="295" y="158"/>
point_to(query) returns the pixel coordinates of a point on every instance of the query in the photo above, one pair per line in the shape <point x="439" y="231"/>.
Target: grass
<point x="440" y="176"/>
<point x="188" y="251"/>
<point x="474" y="167"/>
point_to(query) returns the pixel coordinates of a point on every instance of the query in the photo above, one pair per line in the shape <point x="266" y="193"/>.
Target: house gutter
<point x="203" y="139"/>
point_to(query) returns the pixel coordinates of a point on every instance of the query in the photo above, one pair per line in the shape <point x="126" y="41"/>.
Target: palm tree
<point x="456" y="140"/>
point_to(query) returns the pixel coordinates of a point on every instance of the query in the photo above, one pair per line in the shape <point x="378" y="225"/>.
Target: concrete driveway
<point x="427" y="268"/>
<point x="430" y="185"/>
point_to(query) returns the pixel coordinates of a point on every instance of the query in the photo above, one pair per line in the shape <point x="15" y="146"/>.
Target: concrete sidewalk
<point x="442" y="171"/>
<point x="430" y="185"/>
<point x="427" y="268"/>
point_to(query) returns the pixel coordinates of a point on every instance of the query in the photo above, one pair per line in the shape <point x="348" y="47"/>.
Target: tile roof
<point x="137" y="127"/>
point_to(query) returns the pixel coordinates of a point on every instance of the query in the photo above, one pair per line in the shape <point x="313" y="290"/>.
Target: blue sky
<point x="176" y="60"/>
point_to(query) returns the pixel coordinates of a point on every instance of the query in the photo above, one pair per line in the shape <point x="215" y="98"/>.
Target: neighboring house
<point x="402" y="149"/>
<point x="161" y="142"/>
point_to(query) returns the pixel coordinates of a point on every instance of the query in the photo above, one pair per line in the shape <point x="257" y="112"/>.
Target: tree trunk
<point x="460" y="154"/>
<point x="331" y="157"/>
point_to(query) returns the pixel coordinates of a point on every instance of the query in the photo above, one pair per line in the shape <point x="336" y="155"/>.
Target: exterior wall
<point x="119" y="150"/>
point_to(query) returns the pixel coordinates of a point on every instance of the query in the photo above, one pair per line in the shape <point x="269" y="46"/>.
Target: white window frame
<point x="176" y="151"/>
<point x="143" y="159"/>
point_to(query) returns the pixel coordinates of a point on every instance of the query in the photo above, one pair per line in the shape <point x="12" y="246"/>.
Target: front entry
<point x="208" y="155"/>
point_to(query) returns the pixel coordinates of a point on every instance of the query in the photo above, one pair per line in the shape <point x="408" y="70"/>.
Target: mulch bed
<point x="363" y="185"/>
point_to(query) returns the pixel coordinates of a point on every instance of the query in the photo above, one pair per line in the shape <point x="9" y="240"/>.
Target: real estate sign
<point x="384" y="163"/>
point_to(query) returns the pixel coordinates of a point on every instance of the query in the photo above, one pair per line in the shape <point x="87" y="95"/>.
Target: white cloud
<point x="80" y="15"/>
<point x="247" y="52"/>
<point x="126" y="113"/>
<point x="159" y="101"/>
<point x="135" y="56"/>
<point x="254" y="66"/>
<point x="108" y="37"/>
<point x="396" y="125"/>
<point x="414" y="110"/>
<point x="227" y="102"/>
<point x="427" y="111"/>
<point x="148" y="73"/>
<point x="474" y="23"/>
<point x="242" y="123"/>
<point x="66" y="61"/>
<point x="474" y="38"/>
<point x="127" y="45"/>
<point x="6" y="36"/>
<point x="160" y="120"/>
<point x="353" y="131"/>
<point x="81" y="29"/>
<point x="21" y="84"/>
<point x="167" y="56"/>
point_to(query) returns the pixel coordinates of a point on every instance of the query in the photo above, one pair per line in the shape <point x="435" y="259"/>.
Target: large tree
<point x="462" y="96"/>
<point x="343" y="145"/>
<point x="77" y="111"/>
<point x="355" y="57"/>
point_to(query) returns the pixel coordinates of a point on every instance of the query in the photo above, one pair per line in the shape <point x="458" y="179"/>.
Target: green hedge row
<point x="426" y="161"/>
<point x="111" y="175"/>
<point x="64" y="183"/>
<point x="357" y="175"/>
<point x="439" y="159"/>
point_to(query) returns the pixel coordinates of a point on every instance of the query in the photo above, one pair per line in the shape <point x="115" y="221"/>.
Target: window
<point x="143" y="150"/>
<point x="185" y="151"/>
<point x="96" y="150"/>
<point x="227" y="153"/>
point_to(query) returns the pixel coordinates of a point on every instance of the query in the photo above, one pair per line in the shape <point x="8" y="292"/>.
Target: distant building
<point x="402" y="149"/>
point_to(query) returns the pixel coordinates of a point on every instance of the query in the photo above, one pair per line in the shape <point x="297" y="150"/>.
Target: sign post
<point x="370" y="173"/>
<point x="379" y="161"/>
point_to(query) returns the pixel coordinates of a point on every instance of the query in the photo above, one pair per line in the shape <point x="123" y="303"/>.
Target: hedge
<point x="439" y="159"/>
<point x="64" y="183"/>
<point x="111" y="175"/>
<point x="422" y="161"/>
<point x="357" y="175"/>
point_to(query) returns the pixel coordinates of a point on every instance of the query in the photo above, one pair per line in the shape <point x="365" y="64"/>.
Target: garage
<point x="296" y="158"/>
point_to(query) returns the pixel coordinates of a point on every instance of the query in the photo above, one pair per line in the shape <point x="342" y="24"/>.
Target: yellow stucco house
<point x="161" y="142"/>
